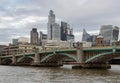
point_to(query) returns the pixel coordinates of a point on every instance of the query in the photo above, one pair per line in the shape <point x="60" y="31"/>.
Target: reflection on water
<point x="16" y="74"/>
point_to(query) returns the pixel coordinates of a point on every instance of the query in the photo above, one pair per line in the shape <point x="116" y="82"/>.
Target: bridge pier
<point x="48" y="65"/>
<point x="92" y="66"/>
<point x="80" y="57"/>
<point x="14" y="60"/>
<point x="37" y="58"/>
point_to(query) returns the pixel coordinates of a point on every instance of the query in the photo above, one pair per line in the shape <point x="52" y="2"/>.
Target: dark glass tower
<point x="66" y="32"/>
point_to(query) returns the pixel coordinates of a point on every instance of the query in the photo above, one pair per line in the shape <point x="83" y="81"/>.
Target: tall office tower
<point x="51" y="22"/>
<point x="56" y="32"/>
<point x="66" y="32"/>
<point x="89" y="38"/>
<point x="34" y="36"/>
<point x="86" y="37"/>
<point x="53" y="29"/>
<point x="63" y="31"/>
<point x="110" y="33"/>
<point x="40" y="39"/>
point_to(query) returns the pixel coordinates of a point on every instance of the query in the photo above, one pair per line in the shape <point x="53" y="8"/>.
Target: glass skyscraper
<point x="66" y="32"/>
<point x="53" y="29"/>
<point x="89" y="38"/>
<point x="86" y="37"/>
<point x="110" y="33"/>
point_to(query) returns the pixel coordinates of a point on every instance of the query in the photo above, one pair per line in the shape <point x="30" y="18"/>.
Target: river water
<point x="65" y="74"/>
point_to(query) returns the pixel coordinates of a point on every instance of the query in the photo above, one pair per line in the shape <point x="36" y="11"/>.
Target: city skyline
<point x="18" y="17"/>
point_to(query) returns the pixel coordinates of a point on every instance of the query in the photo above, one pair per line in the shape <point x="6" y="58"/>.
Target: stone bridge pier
<point x="36" y="58"/>
<point x="80" y="57"/>
<point x="14" y="60"/>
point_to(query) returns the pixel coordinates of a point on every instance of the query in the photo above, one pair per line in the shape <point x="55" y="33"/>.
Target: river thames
<point x="65" y="74"/>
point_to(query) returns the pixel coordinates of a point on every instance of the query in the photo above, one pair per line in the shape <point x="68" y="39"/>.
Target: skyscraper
<point x="34" y="36"/>
<point x="63" y="30"/>
<point x="53" y="29"/>
<point x="86" y="37"/>
<point x="110" y="33"/>
<point x="56" y="32"/>
<point x="66" y="32"/>
<point x="89" y="38"/>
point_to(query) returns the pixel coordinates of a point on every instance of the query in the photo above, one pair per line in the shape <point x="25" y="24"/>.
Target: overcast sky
<point x="18" y="17"/>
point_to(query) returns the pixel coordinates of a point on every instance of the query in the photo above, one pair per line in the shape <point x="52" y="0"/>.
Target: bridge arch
<point x="103" y="57"/>
<point x="6" y="61"/>
<point x="25" y="59"/>
<point x="60" y="54"/>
